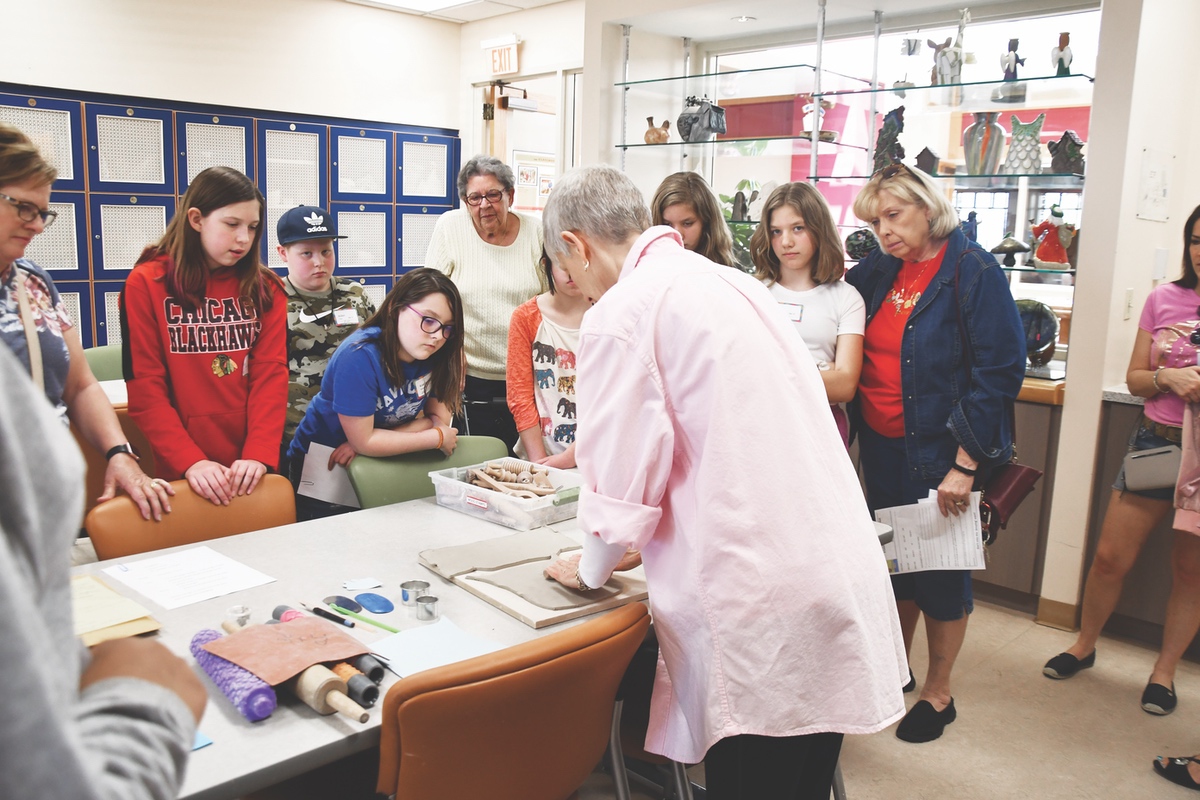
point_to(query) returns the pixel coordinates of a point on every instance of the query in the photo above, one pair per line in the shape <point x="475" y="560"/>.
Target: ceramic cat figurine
<point x="657" y="135"/>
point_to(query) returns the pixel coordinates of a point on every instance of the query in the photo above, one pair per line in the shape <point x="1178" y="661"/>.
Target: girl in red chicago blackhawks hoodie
<point x="203" y="327"/>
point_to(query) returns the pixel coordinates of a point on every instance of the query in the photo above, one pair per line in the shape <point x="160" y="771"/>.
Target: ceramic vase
<point x="655" y="134"/>
<point x="983" y="141"/>
<point x="1025" y="149"/>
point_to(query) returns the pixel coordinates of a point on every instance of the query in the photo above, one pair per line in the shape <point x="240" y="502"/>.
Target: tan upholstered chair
<point x="527" y="723"/>
<point x="96" y="465"/>
<point x="117" y="528"/>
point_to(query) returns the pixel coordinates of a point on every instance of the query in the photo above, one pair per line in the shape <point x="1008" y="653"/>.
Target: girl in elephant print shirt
<point x="542" y="339"/>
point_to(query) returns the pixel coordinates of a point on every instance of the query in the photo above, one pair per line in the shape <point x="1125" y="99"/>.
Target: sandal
<point x="1175" y="769"/>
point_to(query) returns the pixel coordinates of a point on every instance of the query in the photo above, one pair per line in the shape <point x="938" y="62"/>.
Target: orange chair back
<point x="526" y="723"/>
<point x="117" y="528"/>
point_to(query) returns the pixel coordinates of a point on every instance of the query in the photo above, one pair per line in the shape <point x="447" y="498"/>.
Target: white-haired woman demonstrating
<point x="771" y="603"/>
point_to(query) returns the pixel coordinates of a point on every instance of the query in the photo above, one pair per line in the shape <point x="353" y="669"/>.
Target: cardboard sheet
<point x="527" y="582"/>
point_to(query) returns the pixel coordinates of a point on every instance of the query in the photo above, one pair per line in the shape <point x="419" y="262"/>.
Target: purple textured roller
<point x="250" y="694"/>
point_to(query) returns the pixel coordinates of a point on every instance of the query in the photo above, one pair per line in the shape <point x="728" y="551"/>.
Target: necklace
<point x="902" y="296"/>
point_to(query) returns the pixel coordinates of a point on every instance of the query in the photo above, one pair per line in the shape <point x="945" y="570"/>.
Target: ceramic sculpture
<point x="1009" y="247"/>
<point x="655" y="134"/>
<point x="927" y="161"/>
<point x="1066" y="155"/>
<point x="888" y="149"/>
<point x="1061" y="56"/>
<point x="1012" y="90"/>
<point x="1054" y="236"/>
<point x="970" y="226"/>
<point x="860" y="243"/>
<point x="983" y="141"/>
<point x="1025" y="148"/>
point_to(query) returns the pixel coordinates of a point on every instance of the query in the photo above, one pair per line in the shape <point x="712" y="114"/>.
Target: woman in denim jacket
<point x="929" y="414"/>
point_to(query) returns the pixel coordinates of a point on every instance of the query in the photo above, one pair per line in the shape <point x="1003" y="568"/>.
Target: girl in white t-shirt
<point x="799" y="256"/>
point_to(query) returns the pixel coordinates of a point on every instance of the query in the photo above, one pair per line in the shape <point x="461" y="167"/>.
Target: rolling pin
<point x="324" y="692"/>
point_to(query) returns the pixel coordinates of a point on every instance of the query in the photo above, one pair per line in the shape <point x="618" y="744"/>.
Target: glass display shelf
<point x="999" y="96"/>
<point x="772" y="76"/>
<point x="1007" y="180"/>
<point x="1039" y="270"/>
<point x="799" y="138"/>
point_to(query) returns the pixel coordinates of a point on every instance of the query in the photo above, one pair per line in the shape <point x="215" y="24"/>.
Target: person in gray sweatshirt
<point x="114" y="722"/>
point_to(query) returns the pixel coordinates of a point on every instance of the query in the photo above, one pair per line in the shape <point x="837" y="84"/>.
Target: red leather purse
<point x="1005" y="489"/>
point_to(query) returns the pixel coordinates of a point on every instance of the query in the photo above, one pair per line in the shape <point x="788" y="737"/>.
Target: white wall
<point x="551" y="44"/>
<point x="1147" y="54"/>
<point x="325" y="57"/>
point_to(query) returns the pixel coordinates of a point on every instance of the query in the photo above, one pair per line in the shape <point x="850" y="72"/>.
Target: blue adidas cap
<point x="306" y="222"/>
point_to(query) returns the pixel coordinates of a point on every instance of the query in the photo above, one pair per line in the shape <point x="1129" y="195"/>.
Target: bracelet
<point x="441" y="438"/>
<point x="583" y="587"/>
<point x="1154" y="380"/>
<point x="968" y="472"/>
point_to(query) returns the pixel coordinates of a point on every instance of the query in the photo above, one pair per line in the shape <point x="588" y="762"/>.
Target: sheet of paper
<point x="96" y="606"/>
<point x="925" y="540"/>
<point x="321" y="483"/>
<point x="432" y="645"/>
<point x="187" y="577"/>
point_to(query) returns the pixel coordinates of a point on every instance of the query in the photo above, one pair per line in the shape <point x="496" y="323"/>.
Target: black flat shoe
<point x="1064" y="665"/>
<point x="912" y="683"/>
<point x="1176" y="770"/>
<point x="1158" y="699"/>
<point x="923" y="723"/>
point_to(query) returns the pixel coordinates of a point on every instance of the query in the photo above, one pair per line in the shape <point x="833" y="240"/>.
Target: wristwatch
<point x="125" y="448"/>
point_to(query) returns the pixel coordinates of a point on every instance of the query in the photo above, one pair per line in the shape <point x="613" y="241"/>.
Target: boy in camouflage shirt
<point x="322" y="310"/>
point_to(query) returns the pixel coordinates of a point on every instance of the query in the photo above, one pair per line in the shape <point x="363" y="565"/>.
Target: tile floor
<point x="1021" y="735"/>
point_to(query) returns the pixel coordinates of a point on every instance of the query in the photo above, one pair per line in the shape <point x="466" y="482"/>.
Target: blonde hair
<point x="829" y="260"/>
<point x="688" y="188"/>
<point x="20" y="160"/>
<point x="908" y="186"/>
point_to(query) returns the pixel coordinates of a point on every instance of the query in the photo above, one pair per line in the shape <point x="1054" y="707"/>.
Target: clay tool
<point x="324" y="692"/>
<point x="329" y="615"/>
<point x="347" y="612"/>
<point x="361" y="689"/>
<point x="286" y="613"/>
<point x="343" y="601"/>
<point x="375" y="603"/>
<point x="251" y="696"/>
<point x="411" y="590"/>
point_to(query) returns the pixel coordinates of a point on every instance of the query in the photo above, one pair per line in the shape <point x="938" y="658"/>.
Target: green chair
<point x="105" y="362"/>
<point x="395" y="479"/>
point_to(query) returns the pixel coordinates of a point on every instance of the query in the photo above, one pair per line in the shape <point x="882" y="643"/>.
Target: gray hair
<point x="486" y="165"/>
<point x="597" y="201"/>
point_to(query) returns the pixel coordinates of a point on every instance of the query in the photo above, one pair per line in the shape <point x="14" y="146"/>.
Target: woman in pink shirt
<point x="708" y="446"/>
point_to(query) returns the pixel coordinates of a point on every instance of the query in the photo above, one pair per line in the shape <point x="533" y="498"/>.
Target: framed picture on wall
<point x="535" y="173"/>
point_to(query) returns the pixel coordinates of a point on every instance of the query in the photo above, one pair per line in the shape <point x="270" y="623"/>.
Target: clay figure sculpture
<point x="1009" y="247"/>
<point x="1011" y="91"/>
<point x="1066" y="155"/>
<point x="970" y="226"/>
<point x="655" y="134"/>
<point x="1025" y="149"/>
<point x="888" y="149"/>
<point x="513" y="477"/>
<point x="1061" y="56"/>
<point x="740" y="212"/>
<point x="1054" y="236"/>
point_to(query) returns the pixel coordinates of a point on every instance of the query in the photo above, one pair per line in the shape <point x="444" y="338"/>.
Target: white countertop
<point x="1120" y="394"/>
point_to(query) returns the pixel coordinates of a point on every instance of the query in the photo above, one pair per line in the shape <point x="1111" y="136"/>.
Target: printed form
<point x="925" y="540"/>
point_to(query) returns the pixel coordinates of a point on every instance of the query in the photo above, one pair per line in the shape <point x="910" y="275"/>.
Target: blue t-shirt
<point x="356" y="385"/>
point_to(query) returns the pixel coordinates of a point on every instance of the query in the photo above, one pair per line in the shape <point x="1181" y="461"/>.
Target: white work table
<point x="309" y="561"/>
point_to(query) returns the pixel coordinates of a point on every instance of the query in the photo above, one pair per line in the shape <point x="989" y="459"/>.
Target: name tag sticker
<point x="794" y="311"/>
<point x="345" y="316"/>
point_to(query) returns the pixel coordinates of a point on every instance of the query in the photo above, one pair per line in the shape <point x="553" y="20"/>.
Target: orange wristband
<point x="441" y="438"/>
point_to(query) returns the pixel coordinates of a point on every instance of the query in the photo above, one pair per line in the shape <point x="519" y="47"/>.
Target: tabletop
<point x="309" y="561"/>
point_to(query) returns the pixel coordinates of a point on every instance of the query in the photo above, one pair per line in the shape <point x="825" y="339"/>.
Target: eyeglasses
<point x="492" y="197"/>
<point x="432" y="324"/>
<point x="892" y="170"/>
<point x="29" y="212"/>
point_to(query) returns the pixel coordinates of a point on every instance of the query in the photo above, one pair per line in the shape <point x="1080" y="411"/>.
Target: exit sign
<point x="503" y="60"/>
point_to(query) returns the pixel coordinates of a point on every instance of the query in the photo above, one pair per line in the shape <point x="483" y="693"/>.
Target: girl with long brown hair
<point x="203" y="328"/>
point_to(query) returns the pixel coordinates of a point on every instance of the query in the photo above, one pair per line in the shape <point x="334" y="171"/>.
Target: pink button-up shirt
<point x="710" y="446"/>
